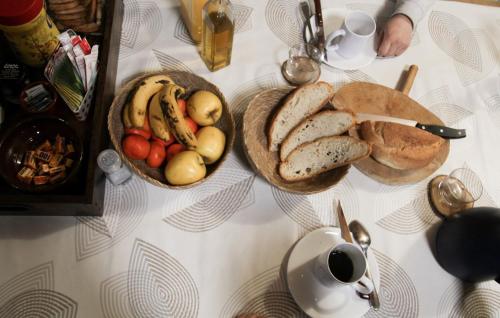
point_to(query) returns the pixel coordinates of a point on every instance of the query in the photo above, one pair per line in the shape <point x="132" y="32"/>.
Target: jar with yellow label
<point x="29" y="30"/>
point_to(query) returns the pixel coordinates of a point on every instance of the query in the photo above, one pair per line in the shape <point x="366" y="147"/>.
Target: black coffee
<point x="341" y="265"/>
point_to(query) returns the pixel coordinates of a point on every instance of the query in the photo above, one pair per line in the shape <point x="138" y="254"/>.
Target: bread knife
<point x="345" y="233"/>
<point x="441" y="131"/>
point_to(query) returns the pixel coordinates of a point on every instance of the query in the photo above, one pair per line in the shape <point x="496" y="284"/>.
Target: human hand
<point x="396" y="36"/>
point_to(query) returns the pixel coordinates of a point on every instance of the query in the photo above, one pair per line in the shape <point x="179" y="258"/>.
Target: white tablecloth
<point x="216" y="250"/>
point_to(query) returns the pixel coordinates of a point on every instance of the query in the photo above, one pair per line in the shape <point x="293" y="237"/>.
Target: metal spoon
<point x="362" y="237"/>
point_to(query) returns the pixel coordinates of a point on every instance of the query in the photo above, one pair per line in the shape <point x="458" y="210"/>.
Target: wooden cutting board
<point x="377" y="99"/>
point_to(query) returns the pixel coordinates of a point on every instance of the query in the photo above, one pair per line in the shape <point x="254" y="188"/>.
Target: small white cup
<point x="357" y="31"/>
<point x="330" y="277"/>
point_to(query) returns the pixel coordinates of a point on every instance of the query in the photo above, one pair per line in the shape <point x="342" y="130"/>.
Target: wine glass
<point x="303" y="64"/>
<point x="460" y="189"/>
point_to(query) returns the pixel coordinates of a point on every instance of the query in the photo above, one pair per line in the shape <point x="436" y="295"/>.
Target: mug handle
<point x="364" y="285"/>
<point x="331" y="37"/>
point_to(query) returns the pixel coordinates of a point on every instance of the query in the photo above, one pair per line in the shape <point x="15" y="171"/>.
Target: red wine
<point x="341" y="266"/>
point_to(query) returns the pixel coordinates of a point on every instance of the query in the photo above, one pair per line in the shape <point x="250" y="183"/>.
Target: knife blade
<point x="345" y="233"/>
<point x="320" y="32"/>
<point x="442" y="131"/>
<point x="306" y="14"/>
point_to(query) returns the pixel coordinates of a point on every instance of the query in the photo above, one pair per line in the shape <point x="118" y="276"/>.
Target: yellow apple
<point x="184" y="168"/>
<point x="204" y="107"/>
<point x="211" y="143"/>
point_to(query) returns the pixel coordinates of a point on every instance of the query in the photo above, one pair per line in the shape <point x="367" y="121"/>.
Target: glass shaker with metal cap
<point x="109" y="161"/>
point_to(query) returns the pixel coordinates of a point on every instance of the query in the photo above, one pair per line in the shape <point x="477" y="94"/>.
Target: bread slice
<point x="322" y="124"/>
<point x="304" y="101"/>
<point x="323" y="154"/>
<point x="400" y="147"/>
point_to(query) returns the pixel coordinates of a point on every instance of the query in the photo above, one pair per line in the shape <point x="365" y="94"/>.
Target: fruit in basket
<point x="145" y="131"/>
<point x="157" y="155"/>
<point x="182" y="105"/>
<point x="191" y="124"/>
<point x="174" y="117"/>
<point x="125" y="117"/>
<point x="211" y="143"/>
<point x="140" y="95"/>
<point x="136" y="147"/>
<point x="173" y="150"/>
<point x="163" y="142"/>
<point x="157" y="120"/>
<point x="185" y="168"/>
<point x="138" y="131"/>
<point x="204" y="107"/>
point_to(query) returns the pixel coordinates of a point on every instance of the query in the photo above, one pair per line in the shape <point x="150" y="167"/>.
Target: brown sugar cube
<point x="43" y="155"/>
<point x="40" y="180"/>
<point x="68" y="163"/>
<point x="46" y="146"/>
<point x="58" y="177"/>
<point x="44" y="168"/>
<point x="70" y="149"/>
<point x="26" y="175"/>
<point x="55" y="170"/>
<point x="29" y="160"/>
<point x="59" y="145"/>
<point x="55" y="160"/>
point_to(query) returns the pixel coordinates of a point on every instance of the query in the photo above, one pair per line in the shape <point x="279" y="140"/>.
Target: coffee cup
<point x="343" y="265"/>
<point x="357" y="31"/>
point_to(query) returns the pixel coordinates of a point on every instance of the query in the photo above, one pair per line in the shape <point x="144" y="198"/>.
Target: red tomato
<point x="163" y="142"/>
<point x="156" y="155"/>
<point x="182" y="106"/>
<point x="192" y="124"/>
<point x="138" y="131"/>
<point x="174" y="149"/>
<point x="136" y="147"/>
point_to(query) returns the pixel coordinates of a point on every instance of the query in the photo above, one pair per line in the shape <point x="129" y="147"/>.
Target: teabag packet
<point x="61" y="74"/>
<point x="91" y="66"/>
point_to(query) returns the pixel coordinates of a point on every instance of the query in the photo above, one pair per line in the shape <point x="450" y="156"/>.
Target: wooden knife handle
<point x="410" y="77"/>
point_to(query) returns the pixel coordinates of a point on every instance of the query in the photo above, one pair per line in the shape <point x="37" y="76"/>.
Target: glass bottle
<point x="191" y="11"/>
<point x="217" y="34"/>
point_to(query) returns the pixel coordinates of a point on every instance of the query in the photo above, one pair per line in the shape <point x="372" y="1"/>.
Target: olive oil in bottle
<point x="217" y="34"/>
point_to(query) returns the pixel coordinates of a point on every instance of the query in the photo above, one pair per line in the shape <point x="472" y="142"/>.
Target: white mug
<point x="350" y="271"/>
<point x="357" y="31"/>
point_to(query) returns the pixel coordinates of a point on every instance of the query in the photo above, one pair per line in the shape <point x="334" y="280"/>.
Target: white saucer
<point x="332" y="20"/>
<point x="302" y="282"/>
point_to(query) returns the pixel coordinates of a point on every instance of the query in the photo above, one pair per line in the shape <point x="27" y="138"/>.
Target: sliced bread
<point x="400" y="147"/>
<point x="322" y="124"/>
<point x="323" y="154"/>
<point x="304" y="101"/>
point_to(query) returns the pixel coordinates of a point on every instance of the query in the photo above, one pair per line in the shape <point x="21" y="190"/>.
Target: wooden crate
<point x="84" y="196"/>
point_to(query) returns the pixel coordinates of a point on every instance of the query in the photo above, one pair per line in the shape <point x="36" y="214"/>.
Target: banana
<point x="140" y="95"/>
<point x="157" y="120"/>
<point x="125" y="117"/>
<point x="173" y="116"/>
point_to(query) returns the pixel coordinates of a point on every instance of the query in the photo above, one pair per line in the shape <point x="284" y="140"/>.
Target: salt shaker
<point x="109" y="161"/>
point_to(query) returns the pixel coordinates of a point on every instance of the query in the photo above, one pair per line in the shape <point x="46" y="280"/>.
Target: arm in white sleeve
<point x="413" y="9"/>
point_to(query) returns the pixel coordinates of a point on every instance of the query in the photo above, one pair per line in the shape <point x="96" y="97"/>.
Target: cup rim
<point x="372" y="20"/>
<point x="365" y="262"/>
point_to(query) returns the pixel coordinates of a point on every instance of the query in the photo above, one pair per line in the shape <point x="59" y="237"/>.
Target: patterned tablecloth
<point x="216" y="250"/>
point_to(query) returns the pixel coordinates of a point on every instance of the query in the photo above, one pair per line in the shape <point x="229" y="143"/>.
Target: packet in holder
<point x="68" y="72"/>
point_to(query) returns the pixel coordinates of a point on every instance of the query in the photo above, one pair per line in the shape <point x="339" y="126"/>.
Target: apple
<point x="211" y="143"/>
<point x="204" y="107"/>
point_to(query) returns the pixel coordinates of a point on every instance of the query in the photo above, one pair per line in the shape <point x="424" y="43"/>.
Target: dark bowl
<point x="29" y="134"/>
<point x="49" y="108"/>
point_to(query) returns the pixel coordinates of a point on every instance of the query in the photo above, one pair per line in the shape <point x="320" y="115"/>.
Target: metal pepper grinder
<point x="467" y="244"/>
